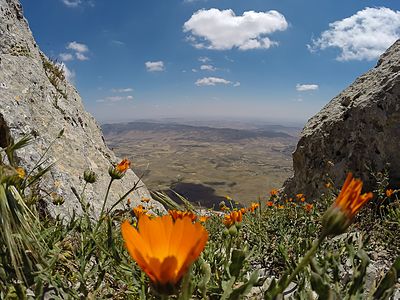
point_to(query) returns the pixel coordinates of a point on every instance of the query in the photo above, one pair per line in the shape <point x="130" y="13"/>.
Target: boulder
<point x="357" y="131"/>
<point x="37" y="99"/>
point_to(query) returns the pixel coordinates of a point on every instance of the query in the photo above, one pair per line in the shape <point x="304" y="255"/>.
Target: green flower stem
<point x="104" y="205"/>
<point x="302" y="264"/>
<point x="135" y="186"/>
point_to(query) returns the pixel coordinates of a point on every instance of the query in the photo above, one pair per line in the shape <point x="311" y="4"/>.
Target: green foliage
<point x="84" y="257"/>
<point x="55" y="74"/>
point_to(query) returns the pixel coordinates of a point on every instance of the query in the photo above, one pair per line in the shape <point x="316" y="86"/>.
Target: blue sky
<point x="276" y="60"/>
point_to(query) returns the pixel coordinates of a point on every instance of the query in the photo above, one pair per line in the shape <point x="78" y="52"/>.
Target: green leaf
<point x="245" y="288"/>
<point x="321" y="288"/>
<point x="385" y="288"/>
<point x="237" y="261"/>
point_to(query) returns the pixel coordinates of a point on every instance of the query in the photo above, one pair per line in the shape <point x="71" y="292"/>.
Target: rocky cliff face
<point x="356" y="130"/>
<point x="36" y="99"/>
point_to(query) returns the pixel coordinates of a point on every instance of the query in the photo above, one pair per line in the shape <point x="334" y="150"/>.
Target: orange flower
<point x="123" y="166"/>
<point x="389" y="193"/>
<point x="243" y="210"/>
<point x="224" y="208"/>
<point x="253" y="206"/>
<point x="340" y="215"/>
<point x="274" y="192"/>
<point x="270" y="203"/>
<point x="164" y="249"/>
<point x="203" y="219"/>
<point x="21" y="172"/>
<point x="139" y="211"/>
<point x="178" y="214"/>
<point x="235" y="216"/>
<point x="119" y="170"/>
<point x="280" y="206"/>
<point x="308" y="207"/>
<point x="145" y="200"/>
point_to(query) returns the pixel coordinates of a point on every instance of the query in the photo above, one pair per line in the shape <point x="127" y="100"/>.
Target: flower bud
<point x="233" y="230"/>
<point x="89" y="176"/>
<point x="335" y="221"/>
<point x="119" y="171"/>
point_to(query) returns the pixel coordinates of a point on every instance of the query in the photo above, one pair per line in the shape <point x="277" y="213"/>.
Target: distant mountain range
<point x="200" y="133"/>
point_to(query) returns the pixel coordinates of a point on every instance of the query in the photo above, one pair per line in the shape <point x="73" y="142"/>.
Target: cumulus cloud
<point x="66" y="56"/>
<point x="154" y="66"/>
<point x="236" y="84"/>
<point x="123" y="90"/>
<point x="81" y="56"/>
<point x="306" y="87"/>
<point x="222" y="29"/>
<point x="207" y="68"/>
<point x="78" y="47"/>
<point x="363" y="36"/>
<point x="207" y="81"/>
<point x="79" y="50"/>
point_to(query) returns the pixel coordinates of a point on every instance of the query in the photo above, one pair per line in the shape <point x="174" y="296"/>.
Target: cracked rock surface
<point x="37" y="99"/>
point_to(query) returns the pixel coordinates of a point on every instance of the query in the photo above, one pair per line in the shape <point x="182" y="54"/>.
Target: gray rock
<point x="37" y="99"/>
<point x="356" y="130"/>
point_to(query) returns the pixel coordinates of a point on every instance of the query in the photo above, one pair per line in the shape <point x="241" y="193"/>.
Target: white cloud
<point x="306" y="87"/>
<point x="72" y="3"/>
<point x="207" y="68"/>
<point x="78" y="3"/>
<point x="204" y="59"/>
<point x="69" y="74"/>
<point x="222" y="29"/>
<point x="81" y="56"/>
<point x="194" y="70"/>
<point x="154" y="66"/>
<point x="66" y="56"/>
<point x="364" y="35"/>
<point x="124" y="90"/>
<point x="113" y="99"/>
<point x="117" y="42"/>
<point x="78" y="47"/>
<point x="206" y="81"/>
<point x="236" y="84"/>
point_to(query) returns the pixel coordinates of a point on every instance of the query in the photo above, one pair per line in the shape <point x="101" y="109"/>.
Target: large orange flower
<point x="164" y="249"/>
<point x="341" y="214"/>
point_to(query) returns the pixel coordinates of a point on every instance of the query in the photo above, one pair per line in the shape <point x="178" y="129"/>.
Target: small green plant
<point x="55" y="74"/>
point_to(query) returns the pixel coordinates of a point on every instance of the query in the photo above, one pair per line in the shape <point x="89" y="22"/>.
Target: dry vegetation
<point x="203" y="163"/>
